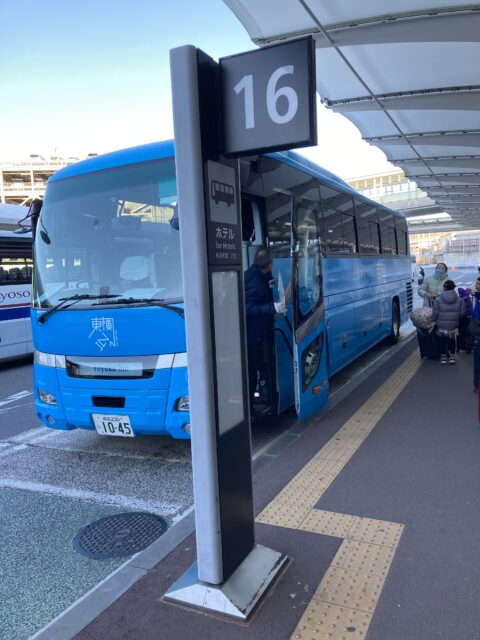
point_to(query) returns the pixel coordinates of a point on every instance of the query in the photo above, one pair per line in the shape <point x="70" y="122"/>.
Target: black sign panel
<point x="268" y="98"/>
<point x="223" y="214"/>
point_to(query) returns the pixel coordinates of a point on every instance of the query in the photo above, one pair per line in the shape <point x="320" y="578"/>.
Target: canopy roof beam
<point x="405" y="74"/>
<point x="362" y="82"/>
<point x="443" y="135"/>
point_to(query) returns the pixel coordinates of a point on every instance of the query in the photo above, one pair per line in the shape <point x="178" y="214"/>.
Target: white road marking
<point x="26" y="435"/>
<point x="15" y="397"/>
<point x="164" y="509"/>
<point x="16" y="406"/>
<point x="11" y="449"/>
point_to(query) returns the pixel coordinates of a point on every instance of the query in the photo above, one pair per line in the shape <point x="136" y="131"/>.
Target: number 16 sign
<point x="268" y="98"/>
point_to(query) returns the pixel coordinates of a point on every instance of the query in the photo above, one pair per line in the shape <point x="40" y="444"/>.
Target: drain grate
<point x="119" y="535"/>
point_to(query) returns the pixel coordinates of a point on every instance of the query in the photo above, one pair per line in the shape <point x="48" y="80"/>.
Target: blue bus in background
<point x="107" y="307"/>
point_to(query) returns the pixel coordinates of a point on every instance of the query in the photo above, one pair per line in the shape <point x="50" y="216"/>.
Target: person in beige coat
<point x="433" y="285"/>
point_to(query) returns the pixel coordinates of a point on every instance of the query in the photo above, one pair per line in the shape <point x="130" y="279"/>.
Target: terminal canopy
<point x="405" y="73"/>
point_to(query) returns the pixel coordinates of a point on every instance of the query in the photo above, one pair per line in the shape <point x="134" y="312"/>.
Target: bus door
<point x="309" y="331"/>
<point x="264" y="389"/>
<point x="283" y="330"/>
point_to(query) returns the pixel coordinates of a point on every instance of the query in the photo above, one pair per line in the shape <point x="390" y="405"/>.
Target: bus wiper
<point x="63" y="304"/>
<point x="153" y="302"/>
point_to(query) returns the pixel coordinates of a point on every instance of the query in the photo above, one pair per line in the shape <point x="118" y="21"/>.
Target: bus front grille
<point x="115" y="402"/>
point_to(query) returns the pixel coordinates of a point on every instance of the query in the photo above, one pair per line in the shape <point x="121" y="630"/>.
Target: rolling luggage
<point x="428" y="344"/>
<point x="464" y="341"/>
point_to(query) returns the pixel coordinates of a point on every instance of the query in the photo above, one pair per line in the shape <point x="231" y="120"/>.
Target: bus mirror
<point x="175" y="223"/>
<point x="34" y="213"/>
<point x="45" y="237"/>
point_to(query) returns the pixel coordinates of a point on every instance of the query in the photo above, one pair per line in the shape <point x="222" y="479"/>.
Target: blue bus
<point x="15" y="284"/>
<point x="107" y="307"/>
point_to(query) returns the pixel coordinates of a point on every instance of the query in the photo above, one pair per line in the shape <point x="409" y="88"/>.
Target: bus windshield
<point x="110" y="232"/>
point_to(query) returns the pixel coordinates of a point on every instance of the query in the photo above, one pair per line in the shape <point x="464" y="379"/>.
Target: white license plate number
<point x="112" y="425"/>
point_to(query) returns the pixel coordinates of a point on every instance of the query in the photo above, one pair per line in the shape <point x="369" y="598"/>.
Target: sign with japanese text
<point x="103" y="332"/>
<point x="223" y="219"/>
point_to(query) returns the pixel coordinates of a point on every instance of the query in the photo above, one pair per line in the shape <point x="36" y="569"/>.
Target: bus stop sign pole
<point x="232" y="572"/>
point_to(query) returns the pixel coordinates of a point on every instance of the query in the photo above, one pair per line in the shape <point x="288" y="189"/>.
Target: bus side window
<point x="309" y="276"/>
<point x="279" y="221"/>
<point x="349" y="237"/>
<point x="401" y="231"/>
<point x="367" y="228"/>
<point x="248" y="225"/>
<point x="252" y="234"/>
<point x="375" y="237"/>
<point x="339" y="215"/>
<point x="387" y="232"/>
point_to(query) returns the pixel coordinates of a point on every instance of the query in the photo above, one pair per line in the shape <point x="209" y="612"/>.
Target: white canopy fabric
<point x="407" y="74"/>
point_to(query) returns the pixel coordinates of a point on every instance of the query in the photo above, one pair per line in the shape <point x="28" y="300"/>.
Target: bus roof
<point x="120" y="158"/>
<point x="166" y="149"/>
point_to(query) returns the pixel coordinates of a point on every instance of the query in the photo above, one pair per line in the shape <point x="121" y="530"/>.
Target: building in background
<point x="462" y="248"/>
<point x="445" y="242"/>
<point x="426" y="247"/>
<point x="388" y="188"/>
<point x="22" y="182"/>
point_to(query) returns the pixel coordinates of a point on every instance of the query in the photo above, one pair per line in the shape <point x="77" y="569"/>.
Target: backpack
<point x="466" y="296"/>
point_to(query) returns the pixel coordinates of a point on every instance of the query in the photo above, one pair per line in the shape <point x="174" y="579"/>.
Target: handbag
<point x="422" y="318"/>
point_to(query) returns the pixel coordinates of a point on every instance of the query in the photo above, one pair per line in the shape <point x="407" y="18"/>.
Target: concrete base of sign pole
<point x="239" y="595"/>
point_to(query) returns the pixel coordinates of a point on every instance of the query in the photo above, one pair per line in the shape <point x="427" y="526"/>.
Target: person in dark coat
<point x="447" y="310"/>
<point x="473" y="330"/>
<point x="260" y="311"/>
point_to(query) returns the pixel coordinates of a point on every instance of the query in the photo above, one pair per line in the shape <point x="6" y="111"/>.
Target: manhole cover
<point x="119" y="535"/>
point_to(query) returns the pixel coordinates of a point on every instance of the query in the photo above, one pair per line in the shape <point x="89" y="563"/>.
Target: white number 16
<point x="272" y="97"/>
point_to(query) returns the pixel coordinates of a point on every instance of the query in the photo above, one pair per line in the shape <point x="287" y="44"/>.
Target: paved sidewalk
<point x="376" y="505"/>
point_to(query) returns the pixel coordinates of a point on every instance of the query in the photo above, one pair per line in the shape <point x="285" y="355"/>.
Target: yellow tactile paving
<point x="329" y="621"/>
<point x="288" y="515"/>
<point x="350" y="589"/>
<point x="327" y="523"/>
<point x="364" y="557"/>
<point x="343" y="604"/>
<point x="376" y="531"/>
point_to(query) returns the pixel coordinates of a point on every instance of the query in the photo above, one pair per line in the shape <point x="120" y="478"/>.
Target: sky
<point x="94" y="76"/>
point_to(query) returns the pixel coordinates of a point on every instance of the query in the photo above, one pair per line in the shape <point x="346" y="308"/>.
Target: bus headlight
<point x="46" y="397"/>
<point x="45" y="359"/>
<point x="183" y="403"/>
<point x="49" y="359"/>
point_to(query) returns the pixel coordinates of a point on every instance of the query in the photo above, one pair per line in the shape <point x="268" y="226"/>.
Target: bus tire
<point x="395" y="324"/>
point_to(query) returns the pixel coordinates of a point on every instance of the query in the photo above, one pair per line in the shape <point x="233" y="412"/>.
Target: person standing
<point x="260" y="312"/>
<point x="433" y="285"/>
<point x="447" y="310"/>
<point x="474" y="331"/>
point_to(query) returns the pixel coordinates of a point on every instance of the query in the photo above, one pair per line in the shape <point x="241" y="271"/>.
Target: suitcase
<point x="464" y="342"/>
<point x="428" y="344"/>
<point x="476" y="365"/>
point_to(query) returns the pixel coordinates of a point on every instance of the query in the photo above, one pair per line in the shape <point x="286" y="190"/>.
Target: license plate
<point x="111" y="425"/>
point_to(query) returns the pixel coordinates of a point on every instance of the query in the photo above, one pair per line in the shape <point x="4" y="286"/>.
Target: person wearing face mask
<point x="433" y="285"/>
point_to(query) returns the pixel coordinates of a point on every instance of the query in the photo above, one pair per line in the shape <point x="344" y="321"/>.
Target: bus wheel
<point x="395" y="326"/>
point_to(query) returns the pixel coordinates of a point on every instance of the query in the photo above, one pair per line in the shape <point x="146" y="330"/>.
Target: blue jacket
<point x="259" y="306"/>
<point x="476" y="308"/>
